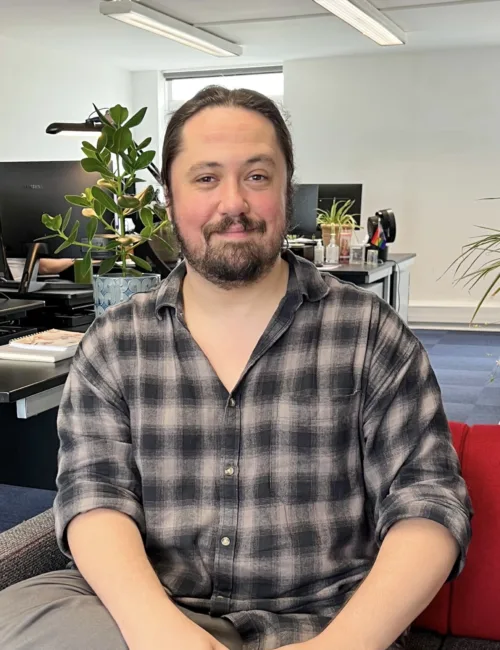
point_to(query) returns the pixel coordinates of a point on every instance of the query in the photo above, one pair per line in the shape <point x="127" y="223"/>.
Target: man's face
<point x="228" y="195"/>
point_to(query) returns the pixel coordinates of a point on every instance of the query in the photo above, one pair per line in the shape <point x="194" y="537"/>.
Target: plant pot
<point x="326" y="233"/>
<point x="114" y="288"/>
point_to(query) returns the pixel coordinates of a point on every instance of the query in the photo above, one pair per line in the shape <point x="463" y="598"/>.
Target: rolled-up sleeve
<point x="96" y="463"/>
<point x="411" y="467"/>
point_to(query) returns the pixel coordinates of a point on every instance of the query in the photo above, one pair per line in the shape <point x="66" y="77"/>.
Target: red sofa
<point x="470" y="606"/>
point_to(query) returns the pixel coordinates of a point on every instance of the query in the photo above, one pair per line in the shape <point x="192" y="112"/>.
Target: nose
<point x="232" y="199"/>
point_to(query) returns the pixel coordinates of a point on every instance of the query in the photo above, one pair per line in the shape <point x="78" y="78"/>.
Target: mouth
<point x="235" y="232"/>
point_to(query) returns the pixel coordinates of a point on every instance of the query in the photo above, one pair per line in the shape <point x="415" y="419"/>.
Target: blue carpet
<point x="467" y="372"/>
<point x="18" y="504"/>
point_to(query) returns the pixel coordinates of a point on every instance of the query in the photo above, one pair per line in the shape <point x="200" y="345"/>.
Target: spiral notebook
<point x="49" y="341"/>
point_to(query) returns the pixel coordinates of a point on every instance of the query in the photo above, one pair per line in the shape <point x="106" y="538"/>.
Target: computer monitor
<point x="348" y="192"/>
<point x="29" y="189"/>
<point x="305" y="203"/>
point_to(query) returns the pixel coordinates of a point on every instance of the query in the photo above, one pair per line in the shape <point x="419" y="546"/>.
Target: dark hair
<point x="213" y="96"/>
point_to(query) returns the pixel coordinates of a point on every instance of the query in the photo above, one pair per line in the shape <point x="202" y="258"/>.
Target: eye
<point x="204" y="180"/>
<point x="258" y="178"/>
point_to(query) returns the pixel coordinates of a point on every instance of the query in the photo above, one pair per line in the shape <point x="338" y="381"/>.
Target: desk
<point x="69" y="297"/>
<point x="389" y="280"/>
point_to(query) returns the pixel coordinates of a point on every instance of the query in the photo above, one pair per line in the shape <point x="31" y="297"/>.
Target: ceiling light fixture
<point x="137" y="15"/>
<point x="367" y="19"/>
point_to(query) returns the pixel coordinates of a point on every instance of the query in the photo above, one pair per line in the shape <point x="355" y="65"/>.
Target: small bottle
<point x="319" y="253"/>
<point x="332" y="252"/>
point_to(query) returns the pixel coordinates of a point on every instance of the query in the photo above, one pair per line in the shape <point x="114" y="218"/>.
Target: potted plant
<point x="338" y="218"/>
<point x="113" y="193"/>
<point x="470" y="259"/>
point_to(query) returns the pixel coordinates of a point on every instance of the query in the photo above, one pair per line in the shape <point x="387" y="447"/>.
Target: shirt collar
<point x="304" y="279"/>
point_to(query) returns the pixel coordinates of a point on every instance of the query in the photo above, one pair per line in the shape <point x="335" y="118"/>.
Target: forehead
<point x="222" y="127"/>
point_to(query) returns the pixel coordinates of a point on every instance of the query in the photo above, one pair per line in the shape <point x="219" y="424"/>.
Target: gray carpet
<point x="467" y="372"/>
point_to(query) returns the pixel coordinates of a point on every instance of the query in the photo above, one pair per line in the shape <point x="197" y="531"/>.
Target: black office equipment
<point x="27" y="190"/>
<point x="305" y="204"/>
<point x="5" y="272"/>
<point x="328" y="193"/>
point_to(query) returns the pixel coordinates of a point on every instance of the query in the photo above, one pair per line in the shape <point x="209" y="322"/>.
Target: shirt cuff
<point x="454" y="519"/>
<point x="89" y="495"/>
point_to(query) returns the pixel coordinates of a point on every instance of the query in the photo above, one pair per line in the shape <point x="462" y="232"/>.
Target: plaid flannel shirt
<point x="267" y="505"/>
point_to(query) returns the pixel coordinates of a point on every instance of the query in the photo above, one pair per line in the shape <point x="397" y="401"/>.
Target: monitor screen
<point x="305" y="203"/>
<point x="329" y="193"/>
<point x="28" y="190"/>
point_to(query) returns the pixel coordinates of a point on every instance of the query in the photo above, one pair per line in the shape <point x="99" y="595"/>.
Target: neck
<point x="214" y="300"/>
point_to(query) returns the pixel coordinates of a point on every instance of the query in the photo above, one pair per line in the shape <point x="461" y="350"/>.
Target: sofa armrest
<point x="29" y="549"/>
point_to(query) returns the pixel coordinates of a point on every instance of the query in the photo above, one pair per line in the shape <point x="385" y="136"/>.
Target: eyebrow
<point x="210" y="164"/>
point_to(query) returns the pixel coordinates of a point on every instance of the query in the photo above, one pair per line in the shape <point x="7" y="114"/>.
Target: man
<point x="254" y="455"/>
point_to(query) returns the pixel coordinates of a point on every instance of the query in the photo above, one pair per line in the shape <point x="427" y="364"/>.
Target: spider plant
<point x="338" y="215"/>
<point x="466" y="264"/>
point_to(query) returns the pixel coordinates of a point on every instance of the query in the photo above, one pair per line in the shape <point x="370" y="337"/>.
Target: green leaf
<point x="79" y="200"/>
<point x="74" y="232"/>
<point x="146" y="232"/>
<point x="160" y="211"/>
<point x="145" y="143"/>
<point x="145" y="159"/>
<point x="129" y="202"/>
<point x="99" y="209"/>
<point x="64" y="245"/>
<point x="102" y="142"/>
<point x="136" y="119"/>
<point x="47" y="237"/>
<point x="105" y="199"/>
<point x="90" y="153"/>
<point x="118" y="114"/>
<point x="66" y="219"/>
<point x="147" y="195"/>
<point x="121" y="141"/>
<point x="141" y="263"/>
<point x="92" y="165"/>
<point x="88" y="145"/>
<point x="58" y="222"/>
<point x="48" y="221"/>
<point x="107" y="264"/>
<point x="147" y="217"/>
<point x="92" y="229"/>
<point x="134" y="272"/>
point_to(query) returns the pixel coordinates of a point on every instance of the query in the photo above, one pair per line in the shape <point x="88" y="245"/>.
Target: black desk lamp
<point x="92" y="124"/>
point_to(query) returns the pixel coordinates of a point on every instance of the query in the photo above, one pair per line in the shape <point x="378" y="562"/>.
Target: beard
<point x="230" y="264"/>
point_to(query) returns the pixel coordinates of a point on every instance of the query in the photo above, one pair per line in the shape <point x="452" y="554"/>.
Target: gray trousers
<point x="59" y="611"/>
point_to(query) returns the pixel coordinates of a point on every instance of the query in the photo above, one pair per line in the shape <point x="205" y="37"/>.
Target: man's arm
<point x="98" y="507"/>
<point x="108" y="550"/>
<point x="414" y="561"/>
<point x="418" y="499"/>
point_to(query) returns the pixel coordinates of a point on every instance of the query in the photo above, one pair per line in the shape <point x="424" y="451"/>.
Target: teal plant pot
<point x="113" y="289"/>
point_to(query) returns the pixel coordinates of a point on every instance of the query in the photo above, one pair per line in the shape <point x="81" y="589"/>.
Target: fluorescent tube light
<point x="367" y="19"/>
<point x="140" y="16"/>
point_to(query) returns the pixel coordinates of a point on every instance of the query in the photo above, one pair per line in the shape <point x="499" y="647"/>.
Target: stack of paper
<point x="49" y="346"/>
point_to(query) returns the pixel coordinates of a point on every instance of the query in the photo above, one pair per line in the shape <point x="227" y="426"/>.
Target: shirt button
<point x="229" y="471"/>
<point x="232" y="402"/>
<point x="225" y="541"/>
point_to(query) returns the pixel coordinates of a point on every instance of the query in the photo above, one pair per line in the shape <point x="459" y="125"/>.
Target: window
<point x="180" y="89"/>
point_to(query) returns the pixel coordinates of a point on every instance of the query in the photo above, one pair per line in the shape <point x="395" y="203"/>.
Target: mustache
<point x="226" y="222"/>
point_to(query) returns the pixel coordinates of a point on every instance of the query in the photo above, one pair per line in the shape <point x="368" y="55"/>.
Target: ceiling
<point x="270" y="32"/>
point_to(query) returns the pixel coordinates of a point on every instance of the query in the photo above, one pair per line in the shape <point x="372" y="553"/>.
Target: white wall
<point x="38" y="87"/>
<point x="422" y="133"/>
